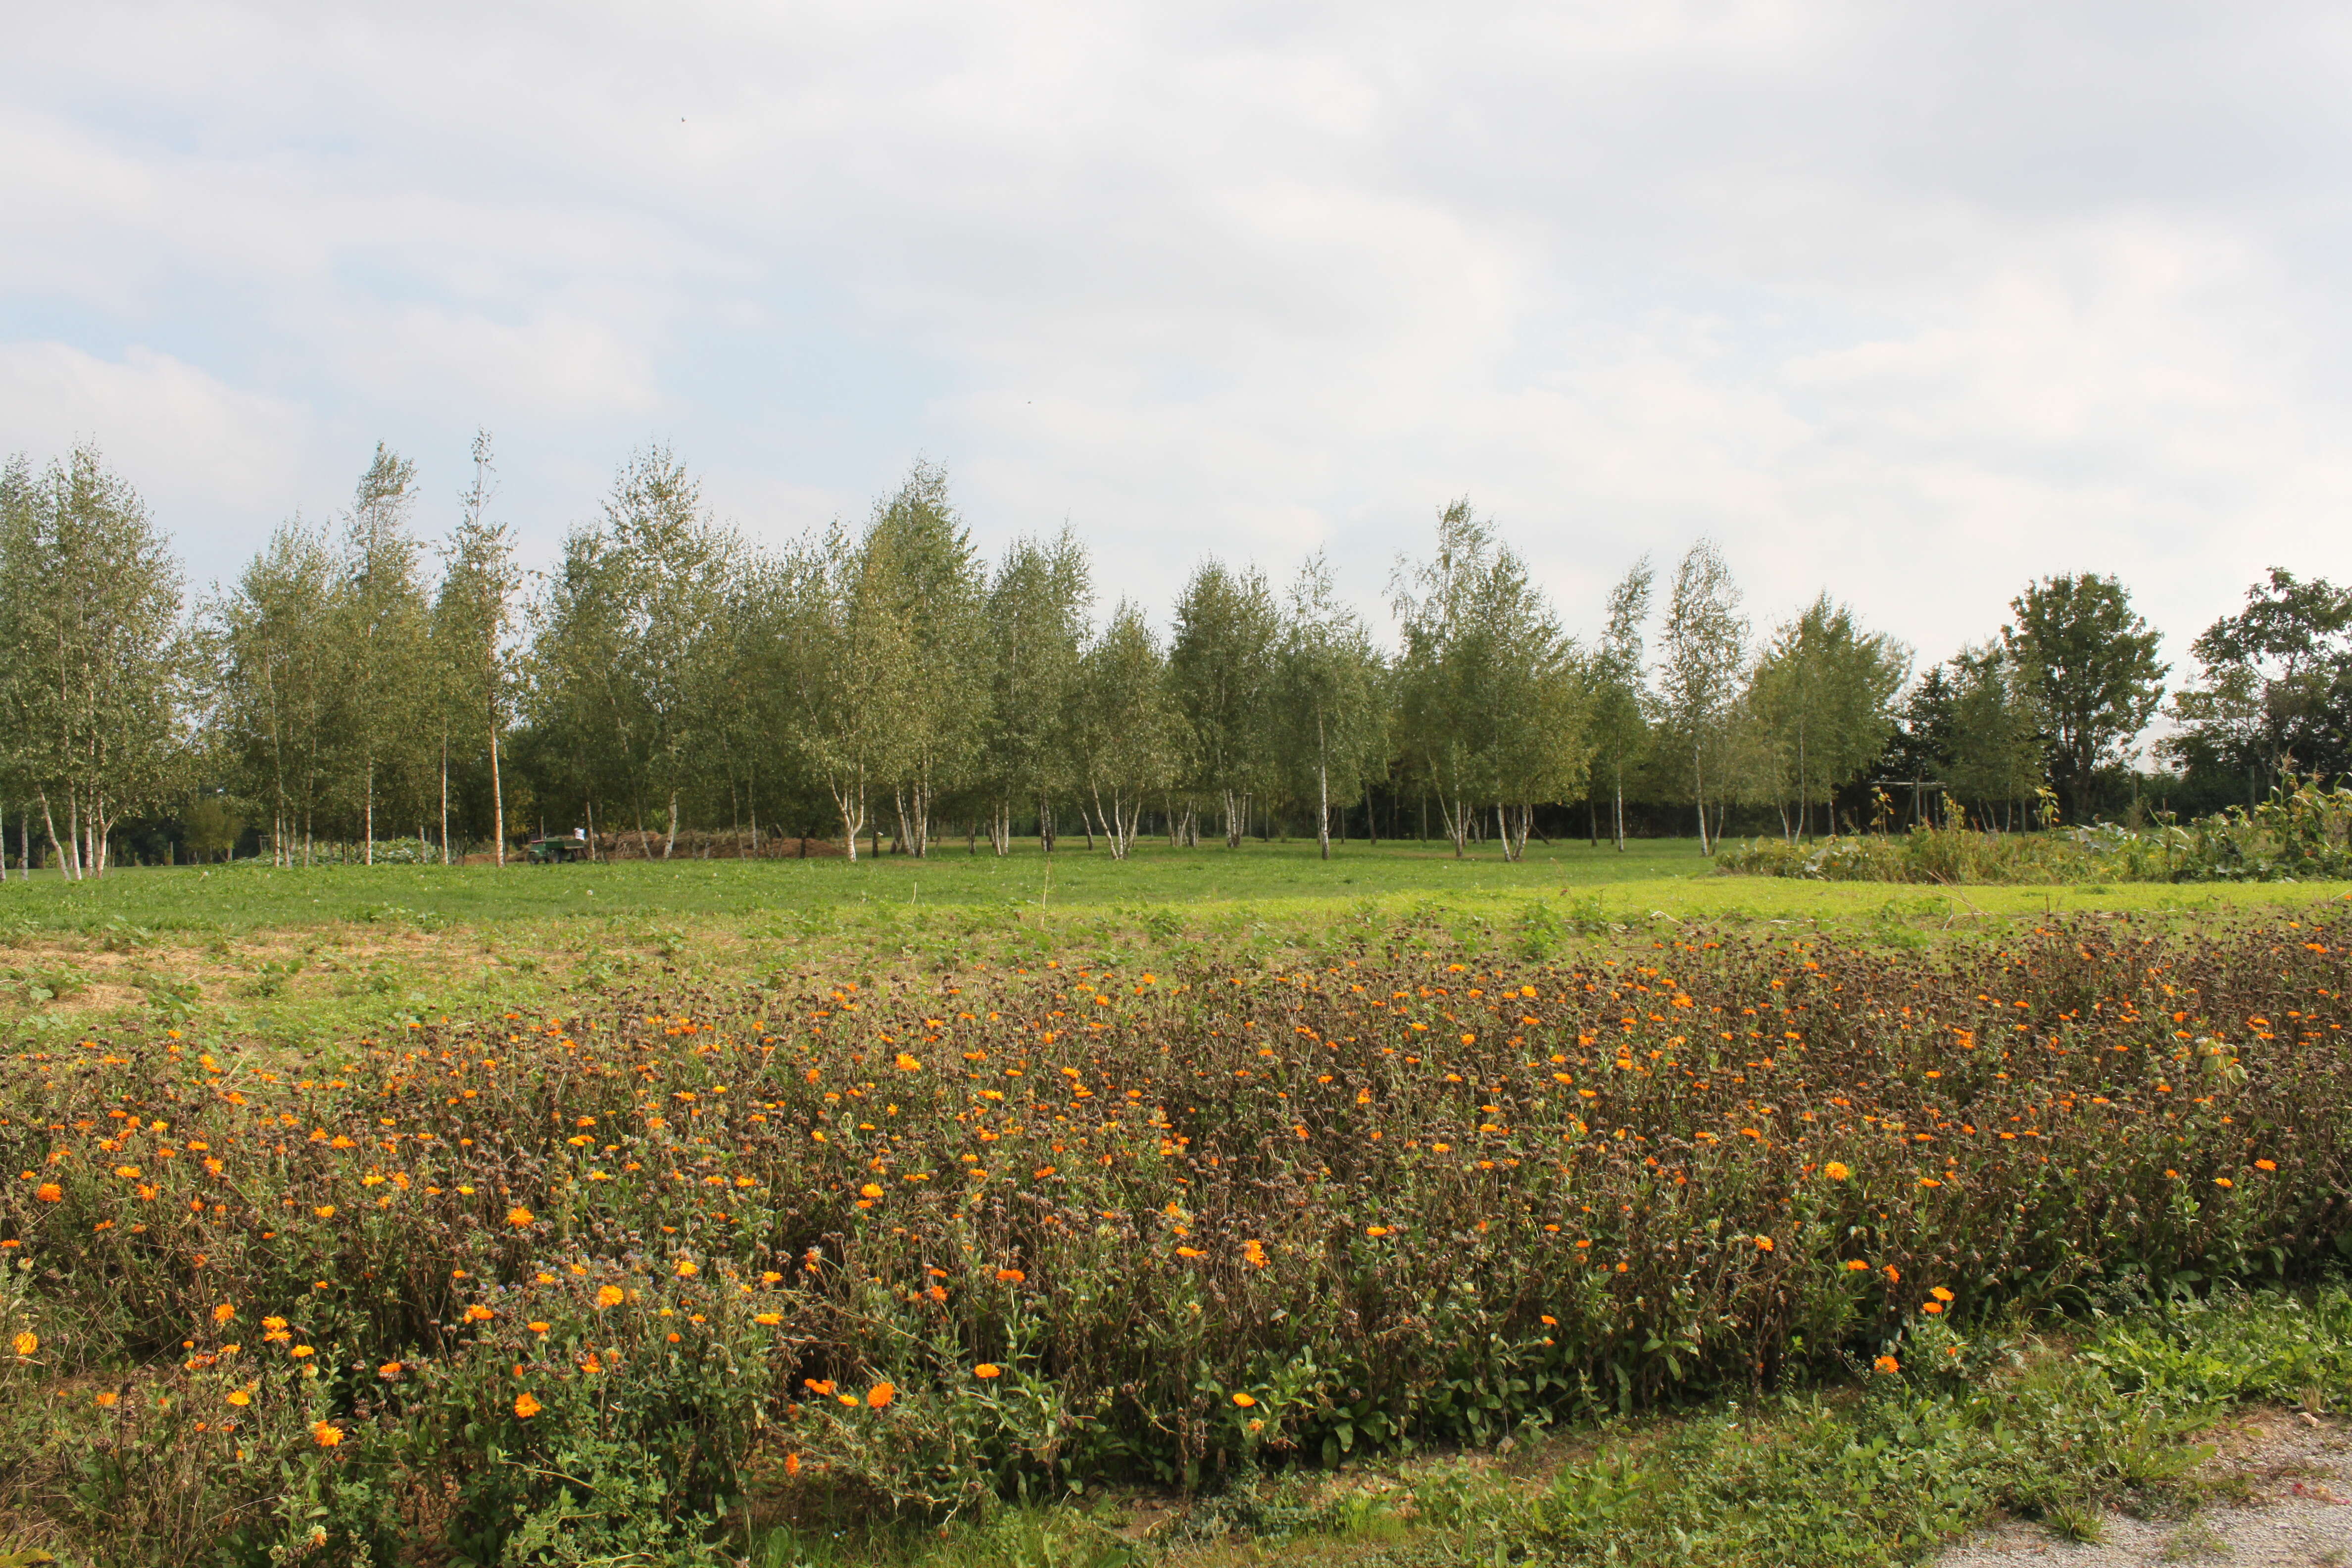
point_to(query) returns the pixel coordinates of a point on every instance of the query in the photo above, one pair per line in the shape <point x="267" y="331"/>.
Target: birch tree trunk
<point x="1698" y="796"/>
<point x="70" y="847"/>
<point x="850" y="800"/>
<point x="1323" y="808"/>
<point x="498" y="807"/>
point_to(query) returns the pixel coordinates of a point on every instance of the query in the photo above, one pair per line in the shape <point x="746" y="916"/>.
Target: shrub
<point x="2303" y="833"/>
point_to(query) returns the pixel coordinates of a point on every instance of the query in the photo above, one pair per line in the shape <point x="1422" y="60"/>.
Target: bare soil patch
<point x="2291" y="1473"/>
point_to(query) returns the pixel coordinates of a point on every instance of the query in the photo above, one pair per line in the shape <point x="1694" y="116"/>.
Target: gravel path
<point x="2299" y="1474"/>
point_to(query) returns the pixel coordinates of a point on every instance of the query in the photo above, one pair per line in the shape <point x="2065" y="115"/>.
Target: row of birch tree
<point x="359" y="688"/>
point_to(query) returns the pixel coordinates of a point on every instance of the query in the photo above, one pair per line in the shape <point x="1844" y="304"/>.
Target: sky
<point x="1909" y="303"/>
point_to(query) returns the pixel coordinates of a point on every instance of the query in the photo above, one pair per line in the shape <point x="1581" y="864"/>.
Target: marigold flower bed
<point x="614" y="1272"/>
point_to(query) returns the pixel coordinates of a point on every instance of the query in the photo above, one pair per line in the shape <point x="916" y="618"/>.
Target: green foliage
<point x="2303" y="833"/>
<point x="1704" y="650"/>
<point x="212" y="828"/>
<point x="1126" y="734"/>
<point x="95" y="664"/>
<point x="2276" y="685"/>
<point x="1490" y="704"/>
<point x="1220" y="669"/>
<point x="1821" y="694"/>
<point x="2090" y="662"/>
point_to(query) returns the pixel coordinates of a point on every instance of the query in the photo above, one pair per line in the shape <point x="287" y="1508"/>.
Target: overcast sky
<point x="1913" y="302"/>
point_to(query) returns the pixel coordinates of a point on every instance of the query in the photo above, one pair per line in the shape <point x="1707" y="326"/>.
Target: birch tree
<point x="920" y="597"/>
<point x="16" y="546"/>
<point x="1126" y="727"/>
<point x="386" y="676"/>
<point x="1487" y="706"/>
<point x="472" y="616"/>
<point x="1994" y="750"/>
<point x="1620" y="727"/>
<point x="276" y="689"/>
<point x="96" y="654"/>
<point x="1222" y="671"/>
<point x="1035" y="621"/>
<point x="1705" y="648"/>
<point x="583" y="724"/>
<point x="630" y="653"/>
<point x="1329" y="698"/>
<point x="1822" y="695"/>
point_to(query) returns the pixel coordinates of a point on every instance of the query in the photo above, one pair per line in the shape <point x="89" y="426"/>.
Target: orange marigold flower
<point x="325" y="1434"/>
<point x="49" y="1193"/>
<point x="538" y="1328"/>
<point x="1893" y="1274"/>
<point x="1931" y="1308"/>
<point x="767" y="1320"/>
<point x="792" y="1464"/>
<point x="1190" y="1252"/>
<point x="1836" y="1170"/>
<point x="478" y="1313"/>
<point x="2223" y="1182"/>
<point x="301" y="1351"/>
<point x="1376" y="1230"/>
<point x="1763" y="1244"/>
<point x="1887" y="1364"/>
<point x="526" y="1406"/>
<point x="1855" y="1265"/>
<point x="880" y="1395"/>
<point x="988" y="1368"/>
<point x="108" y="1400"/>
<point x="1940" y="1293"/>
<point x="908" y="1064"/>
<point x="2266" y="1164"/>
<point x="1010" y="1276"/>
<point x="239" y="1397"/>
<point x="224" y="1312"/>
<point x="1244" y="1400"/>
<point x="518" y="1216"/>
<point x="870" y="1190"/>
<point x="818" y="1385"/>
<point x="389" y="1370"/>
<point x="27" y="1342"/>
<point x="608" y="1296"/>
<point x="686" y="1268"/>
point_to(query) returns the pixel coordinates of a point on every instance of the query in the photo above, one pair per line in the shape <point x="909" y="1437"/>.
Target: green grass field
<point x="1284" y="882"/>
<point x="228" y="1005"/>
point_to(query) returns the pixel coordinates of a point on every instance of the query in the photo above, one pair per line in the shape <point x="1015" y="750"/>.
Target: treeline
<point x="356" y="688"/>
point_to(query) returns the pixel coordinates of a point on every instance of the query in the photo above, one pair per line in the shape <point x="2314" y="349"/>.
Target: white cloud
<point x="183" y="437"/>
<point x="1914" y="301"/>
